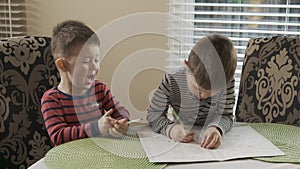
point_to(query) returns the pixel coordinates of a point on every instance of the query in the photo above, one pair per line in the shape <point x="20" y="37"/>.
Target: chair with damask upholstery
<point x="270" y="87"/>
<point x="27" y="70"/>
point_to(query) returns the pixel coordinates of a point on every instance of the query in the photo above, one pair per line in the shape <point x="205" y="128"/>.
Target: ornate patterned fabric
<point x="270" y="87"/>
<point x="27" y="70"/>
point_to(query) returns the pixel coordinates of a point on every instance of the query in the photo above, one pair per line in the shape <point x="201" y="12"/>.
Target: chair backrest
<point x="270" y="88"/>
<point x="27" y="70"/>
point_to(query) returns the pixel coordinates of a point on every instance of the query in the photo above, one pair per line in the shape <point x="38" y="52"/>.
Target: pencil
<point x="177" y="118"/>
<point x="134" y="121"/>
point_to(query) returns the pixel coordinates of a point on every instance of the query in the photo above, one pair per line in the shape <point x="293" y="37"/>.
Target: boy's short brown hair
<point x="203" y="65"/>
<point x="68" y="34"/>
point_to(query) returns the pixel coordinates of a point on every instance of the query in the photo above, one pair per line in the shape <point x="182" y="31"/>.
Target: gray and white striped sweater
<point x="173" y="91"/>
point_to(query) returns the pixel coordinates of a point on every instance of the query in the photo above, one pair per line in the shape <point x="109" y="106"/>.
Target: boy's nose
<point x="94" y="65"/>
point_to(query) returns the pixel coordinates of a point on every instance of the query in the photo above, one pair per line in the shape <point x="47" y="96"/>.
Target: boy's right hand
<point x="119" y="128"/>
<point x="179" y="133"/>
<point x="106" y="122"/>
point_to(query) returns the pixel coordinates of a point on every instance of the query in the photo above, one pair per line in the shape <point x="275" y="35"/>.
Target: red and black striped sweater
<point x="70" y="117"/>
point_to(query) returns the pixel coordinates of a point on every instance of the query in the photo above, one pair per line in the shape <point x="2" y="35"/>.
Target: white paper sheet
<point x="239" y="142"/>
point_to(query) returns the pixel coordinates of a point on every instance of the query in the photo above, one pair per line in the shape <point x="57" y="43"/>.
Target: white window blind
<point x="239" y="20"/>
<point x="12" y="18"/>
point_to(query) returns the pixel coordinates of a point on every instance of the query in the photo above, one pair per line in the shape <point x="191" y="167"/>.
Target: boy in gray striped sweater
<point x="201" y="93"/>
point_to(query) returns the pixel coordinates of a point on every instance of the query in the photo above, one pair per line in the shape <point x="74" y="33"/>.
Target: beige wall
<point x="133" y="41"/>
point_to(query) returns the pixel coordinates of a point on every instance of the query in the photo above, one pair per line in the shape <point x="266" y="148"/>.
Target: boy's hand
<point x="211" y="138"/>
<point x="178" y="133"/>
<point x="119" y="128"/>
<point x="105" y="122"/>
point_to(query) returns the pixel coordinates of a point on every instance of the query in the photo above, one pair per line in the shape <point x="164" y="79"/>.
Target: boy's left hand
<point x="119" y="128"/>
<point x="211" y="138"/>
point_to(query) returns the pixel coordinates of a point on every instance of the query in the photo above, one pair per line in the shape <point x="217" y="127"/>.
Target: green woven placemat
<point x="126" y="152"/>
<point x="285" y="137"/>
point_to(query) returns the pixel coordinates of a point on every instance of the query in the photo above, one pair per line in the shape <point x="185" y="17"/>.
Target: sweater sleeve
<point x="157" y="112"/>
<point x="224" y="114"/>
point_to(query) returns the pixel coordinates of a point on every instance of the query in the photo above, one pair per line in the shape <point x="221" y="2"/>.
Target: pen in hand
<point x="177" y="118"/>
<point x="179" y="132"/>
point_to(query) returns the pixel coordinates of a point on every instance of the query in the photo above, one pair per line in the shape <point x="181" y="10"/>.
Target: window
<point x="239" y="20"/>
<point x="12" y="18"/>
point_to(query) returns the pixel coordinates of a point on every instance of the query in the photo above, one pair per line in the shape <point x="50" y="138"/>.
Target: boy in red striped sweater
<point x="80" y="106"/>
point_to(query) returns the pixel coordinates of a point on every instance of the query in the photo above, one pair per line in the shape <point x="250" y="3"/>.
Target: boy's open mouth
<point x="90" y="78"/>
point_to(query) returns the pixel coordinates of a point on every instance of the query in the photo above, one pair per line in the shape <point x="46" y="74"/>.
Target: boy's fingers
<point x="122" y="121"/>
<point x="117" y="122"/>
<point x="207" y="141"/>
<point x="121" y="127"/>
<point x="185" y="135"/>
<point x="203" y="141"/>
<point x="118" y="126"/>
<point x="190" y="133"/>
<point x="111" y="121"/>
<point x="213" y="143"/>
<point x="189" y="137"/>
<point x="181" y="134"/>
<point x="113" y="132"/>
<point x="108" y="113"/>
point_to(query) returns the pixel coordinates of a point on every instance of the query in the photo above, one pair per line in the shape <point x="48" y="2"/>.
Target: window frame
<point x="182" y="36"/>
<point x="12" y="18"/>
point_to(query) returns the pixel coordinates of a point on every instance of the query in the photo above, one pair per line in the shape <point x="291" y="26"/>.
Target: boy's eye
<point x="85" y="60"/>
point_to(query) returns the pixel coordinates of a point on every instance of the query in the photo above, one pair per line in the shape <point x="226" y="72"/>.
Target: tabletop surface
<point x="130" y="157"/>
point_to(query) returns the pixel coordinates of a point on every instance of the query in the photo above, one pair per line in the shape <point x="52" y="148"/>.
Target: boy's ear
<point x="61" y="64"/>
<point x="185" y="63"/>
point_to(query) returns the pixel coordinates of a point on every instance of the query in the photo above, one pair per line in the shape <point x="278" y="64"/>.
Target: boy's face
<point x="196" y="90"/>
<point x="84" y="66"/>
